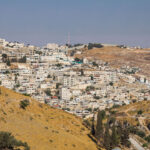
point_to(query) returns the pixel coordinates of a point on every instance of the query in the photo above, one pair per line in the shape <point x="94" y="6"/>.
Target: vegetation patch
<point x="24" y="104"/>
<point x="8" y="142"/>
<point x="51" y="141"/>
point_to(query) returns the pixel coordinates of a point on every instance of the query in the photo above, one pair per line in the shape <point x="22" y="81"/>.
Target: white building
<point x="65" y="94"/>
<point x="52" y="46"/>
<point x="69" y="81"/>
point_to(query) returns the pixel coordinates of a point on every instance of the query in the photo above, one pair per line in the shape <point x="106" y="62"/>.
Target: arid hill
<point x="41" y="126"/>
<point x="118" y="57"/>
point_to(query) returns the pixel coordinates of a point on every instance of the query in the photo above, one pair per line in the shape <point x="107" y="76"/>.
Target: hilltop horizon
<point x="115" y="22"/>
<point x="65" y="43"/>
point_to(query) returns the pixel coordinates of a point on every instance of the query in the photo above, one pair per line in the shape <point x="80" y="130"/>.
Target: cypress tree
<point x="123" y="132"/>
<point x="93" y="127"/>
<point x="125" y="137"/>
<point x="107" y="137"/>
<point x="99" y="126"/>
<point x="92" y="130"/>
<point x="114" y="137"/>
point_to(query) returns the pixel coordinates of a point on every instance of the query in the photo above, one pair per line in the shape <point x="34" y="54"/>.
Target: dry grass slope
<point x="118" y="57"/>
<point x="42" y="127"/>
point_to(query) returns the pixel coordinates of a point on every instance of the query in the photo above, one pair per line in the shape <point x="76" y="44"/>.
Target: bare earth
<point x="118" y="57"/>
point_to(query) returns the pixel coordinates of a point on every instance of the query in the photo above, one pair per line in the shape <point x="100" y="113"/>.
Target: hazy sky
<point x="106" y="21"/>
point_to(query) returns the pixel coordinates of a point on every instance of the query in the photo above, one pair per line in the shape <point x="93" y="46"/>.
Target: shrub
<point x="77" y="59"/>
<point x="128" y="144"/>
<point x="25" y="94"/>
<point x="145" y="145"/>
<point x="90" y="88"/>
<point x="139" y="112"/>
<point x="113" y="112"/>
<point x="24" y="104"/>
<point x="116" y="106"/>
<point x="111" y="83"/>
<point x="141" y="134"/>
<point x="86" y="123"/>
<point x="148" y="138"/>
<point x="51" y="141"/>
<point x="96" y="97"/>
<point x="7" y="141"/>
<point x="137" y="131"/>
<point x="133" y="130"/>
<point x="134" y="100"/>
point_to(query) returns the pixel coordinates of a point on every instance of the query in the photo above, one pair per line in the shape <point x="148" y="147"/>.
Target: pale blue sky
<point x="106" y="21"/>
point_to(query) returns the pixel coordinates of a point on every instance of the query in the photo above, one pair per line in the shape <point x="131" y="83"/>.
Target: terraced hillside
<point x="138" y="116"/>
<point x="136" y="113"/>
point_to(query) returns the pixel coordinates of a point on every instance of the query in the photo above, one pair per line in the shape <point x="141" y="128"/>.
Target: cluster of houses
<point x="52" y="76"/>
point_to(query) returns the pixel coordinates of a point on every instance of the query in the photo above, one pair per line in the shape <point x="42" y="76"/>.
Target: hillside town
<point x="53" y="75"/>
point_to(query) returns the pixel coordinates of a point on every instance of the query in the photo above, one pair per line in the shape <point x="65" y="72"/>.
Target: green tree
<point x="147" y="138"/>
<point x="48" y="92"/>
<point x="4" y="57"/>
<point x="111" y="83"/>
<point x="8" y="142"/>
<point x="139" y="112"/>
<point x="23" y="59"/>
<point x="95" y="64"/>
<point x="59" y="65"/>
<point x="114" y="136"/>
<point x="103" y="114"/>
<point x="88" y="88"/>
<point x="92" y="78"/>
<point x="99" y="126"/>
<point x="93" y="127"/>
<point x="107" y="137"/>
<point x="92" y="45"/>
<point x="8" y="62"/>
<point x="49" y="76"/>
<point x="141" y="133"/>
<point x="57" y="85"/>
<point x="125" y="137"/>
<point x="82" y="72"/>
<point x="77" y="59"/>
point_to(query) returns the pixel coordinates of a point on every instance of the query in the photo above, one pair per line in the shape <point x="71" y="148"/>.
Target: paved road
<point x="136" y="144"/>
